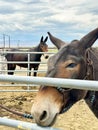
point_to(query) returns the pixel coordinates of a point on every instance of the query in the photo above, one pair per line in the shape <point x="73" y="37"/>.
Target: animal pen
<point x="78" y="84"/>
<point x="3" y="70"/>
<point x="30" y="81"/>
<point x="21" y="71"/>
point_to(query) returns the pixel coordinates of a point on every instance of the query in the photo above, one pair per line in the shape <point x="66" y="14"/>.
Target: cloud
<point x="67" y="19"/>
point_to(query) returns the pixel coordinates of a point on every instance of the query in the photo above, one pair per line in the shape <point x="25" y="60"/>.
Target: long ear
<point x="46" y="39"/>
<point x="41" y="40"/>
<point x="57" y="42"/>
<point x="89" y="39"/>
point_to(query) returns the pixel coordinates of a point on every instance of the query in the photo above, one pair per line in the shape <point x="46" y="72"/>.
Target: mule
<point x="76" y="60"/>
<point x="41" y="47"/>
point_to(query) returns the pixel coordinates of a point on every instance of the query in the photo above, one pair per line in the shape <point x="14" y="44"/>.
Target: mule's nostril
<point x="43" y="116"/>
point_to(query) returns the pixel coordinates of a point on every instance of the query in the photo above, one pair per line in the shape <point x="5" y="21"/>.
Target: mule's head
<point x="69" y="62"/>
<point x="43" y="45"/>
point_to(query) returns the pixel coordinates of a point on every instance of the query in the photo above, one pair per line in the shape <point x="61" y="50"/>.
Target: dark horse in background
<point x="41" y="47"/>
<point x="76" y="60"/>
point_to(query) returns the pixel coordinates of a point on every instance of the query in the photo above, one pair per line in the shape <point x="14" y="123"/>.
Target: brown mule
<point x="41" y="47"/>
<point x="73" y="61"/>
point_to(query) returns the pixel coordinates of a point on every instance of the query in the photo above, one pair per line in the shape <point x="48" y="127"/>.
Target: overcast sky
<point x="27" y="20"/>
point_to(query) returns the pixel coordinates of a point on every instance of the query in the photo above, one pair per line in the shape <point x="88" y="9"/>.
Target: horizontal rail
<point x="18" y="90"/>
<point x="22" y="70"/>
<point x="30" y="89"/>
<point x="17" y="85"/>
<point x="22" y="125"/>
<point x="25" y="47"/>
<point x="66" y="83"/>
<point x="24" y="52"/>
<point x="22" y="62"/>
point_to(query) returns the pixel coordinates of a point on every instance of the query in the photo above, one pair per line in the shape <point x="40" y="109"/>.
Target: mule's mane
<point x="94" y="58"/>
<point x="74" y="41"/>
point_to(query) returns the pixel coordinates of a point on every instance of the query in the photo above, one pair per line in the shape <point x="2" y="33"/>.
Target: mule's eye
<point x="71" y="65"/>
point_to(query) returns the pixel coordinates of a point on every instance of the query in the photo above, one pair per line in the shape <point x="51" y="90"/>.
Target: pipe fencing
<point x="17" y="123"/>
<point x="18" y="71"/>
<point x="65" y="83"/>
<point x="21" y="125"/>
<point x="2" y="61"/>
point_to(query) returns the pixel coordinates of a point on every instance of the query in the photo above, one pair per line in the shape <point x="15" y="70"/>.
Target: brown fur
<point x="75" y="61"/>
<point x="41" y="47"/>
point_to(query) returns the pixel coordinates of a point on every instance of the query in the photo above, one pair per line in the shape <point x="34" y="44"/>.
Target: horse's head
<point x="68" y="62"/>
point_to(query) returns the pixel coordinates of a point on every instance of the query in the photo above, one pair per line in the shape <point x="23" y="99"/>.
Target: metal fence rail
<point x="66" y="83"/>
<point x="24" y="52"/>
<point x="2" y="61"/>
<point x="22" y="125"/>
<point x="18" y="71"/>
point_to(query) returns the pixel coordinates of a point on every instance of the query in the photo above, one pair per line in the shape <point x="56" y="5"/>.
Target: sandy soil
<point x="79" y="117"/>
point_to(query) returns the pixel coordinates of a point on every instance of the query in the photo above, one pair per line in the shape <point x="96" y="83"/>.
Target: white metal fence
<point x="21" y="125"/>
<point x="67" y="83"/>
<point x="3" y="60"/>
<point x="22" y="71"/>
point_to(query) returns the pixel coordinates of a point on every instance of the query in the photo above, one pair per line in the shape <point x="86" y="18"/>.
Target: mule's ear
<point x="89" y="39"/>
<point x="57" y="42"/>
<point x="46" y="39"/>
<point x="41" y="40"/>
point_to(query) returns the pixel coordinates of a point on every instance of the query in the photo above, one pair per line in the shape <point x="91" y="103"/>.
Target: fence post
<point x="28" y="69"/>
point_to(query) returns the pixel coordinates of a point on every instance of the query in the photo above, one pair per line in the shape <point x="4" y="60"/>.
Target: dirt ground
<point x="79" y="117"/>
